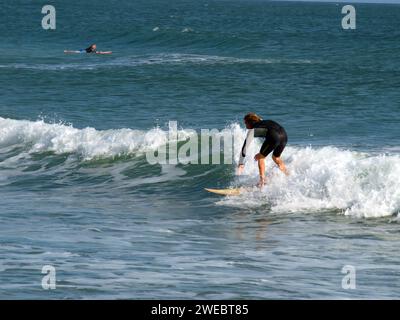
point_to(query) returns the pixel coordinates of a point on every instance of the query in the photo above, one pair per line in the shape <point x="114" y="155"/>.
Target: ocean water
<point x="77" y="192"/>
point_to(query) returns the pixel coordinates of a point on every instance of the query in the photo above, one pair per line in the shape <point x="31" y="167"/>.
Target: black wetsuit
<point x="90" y="50"/>
<point x="275" y="138"/>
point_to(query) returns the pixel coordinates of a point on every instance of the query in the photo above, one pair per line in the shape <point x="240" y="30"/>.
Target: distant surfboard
<point x="226" y="192"/>
<point x="103" y="52"/>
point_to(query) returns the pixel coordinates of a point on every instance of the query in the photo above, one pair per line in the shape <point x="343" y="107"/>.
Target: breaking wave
<point x="326" y="178"/>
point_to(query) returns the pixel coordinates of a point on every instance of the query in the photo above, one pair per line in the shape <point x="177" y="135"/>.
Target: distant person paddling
<point x="275" y="140"/>
<point x="91" y="49"/>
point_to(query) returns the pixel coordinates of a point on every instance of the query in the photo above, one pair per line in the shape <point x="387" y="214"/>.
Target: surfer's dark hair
<point x="252" y="118"/>
<point x="90" y="47"/>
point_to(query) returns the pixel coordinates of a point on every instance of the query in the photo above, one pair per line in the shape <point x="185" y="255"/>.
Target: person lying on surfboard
<point x="91" y="49"/>
<point x="275" y="140"/>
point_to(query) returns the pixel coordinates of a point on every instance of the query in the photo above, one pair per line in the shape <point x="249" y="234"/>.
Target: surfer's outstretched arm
<point x="245" y="147"/>
<point x="261" y="170"/>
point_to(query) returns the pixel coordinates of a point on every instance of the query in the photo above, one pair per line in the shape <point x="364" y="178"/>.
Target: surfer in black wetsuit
<point x="91" y="49"/>
<point x="275" y="140"/>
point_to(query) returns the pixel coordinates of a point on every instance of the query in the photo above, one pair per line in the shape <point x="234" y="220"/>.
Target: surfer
<point x="275" y="140"/>
<point x="91" y="49"/>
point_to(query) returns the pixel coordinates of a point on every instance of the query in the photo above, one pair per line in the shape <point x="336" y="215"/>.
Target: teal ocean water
<point x="77" y="192"/>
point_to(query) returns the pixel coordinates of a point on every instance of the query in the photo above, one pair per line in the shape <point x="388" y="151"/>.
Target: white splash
<point x="327" y="178"/>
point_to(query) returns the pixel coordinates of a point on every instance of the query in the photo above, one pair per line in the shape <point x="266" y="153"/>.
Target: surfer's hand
<point x="240" y="169"/>
<point x="259" y="156"/>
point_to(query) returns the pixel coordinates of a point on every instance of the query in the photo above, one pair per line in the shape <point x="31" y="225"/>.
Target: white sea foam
<point x="185" y="30"/>
<point x="158" y="59"/>
<point x="178" y="58"/>
<point x="88" y="143"/>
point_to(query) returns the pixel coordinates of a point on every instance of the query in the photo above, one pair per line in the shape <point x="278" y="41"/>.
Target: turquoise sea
<point x="77" y="192"/>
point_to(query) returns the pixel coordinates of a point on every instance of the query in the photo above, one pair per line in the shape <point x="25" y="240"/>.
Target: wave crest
<point x="89" y="143"/>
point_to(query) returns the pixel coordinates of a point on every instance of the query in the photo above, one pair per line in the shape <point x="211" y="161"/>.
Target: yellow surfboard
<point x="226" y="192"/>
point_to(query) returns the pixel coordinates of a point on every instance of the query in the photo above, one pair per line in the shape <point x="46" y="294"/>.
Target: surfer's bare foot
<point x="261" y="182"/>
